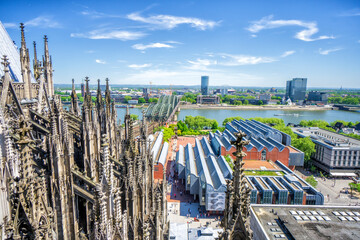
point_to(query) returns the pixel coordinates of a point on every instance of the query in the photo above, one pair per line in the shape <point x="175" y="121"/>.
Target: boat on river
<point x="288" y="114"/>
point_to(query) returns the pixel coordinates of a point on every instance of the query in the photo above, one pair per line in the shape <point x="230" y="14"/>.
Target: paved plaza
<point x="332" y="189"/>
<point x="185" y="212"/>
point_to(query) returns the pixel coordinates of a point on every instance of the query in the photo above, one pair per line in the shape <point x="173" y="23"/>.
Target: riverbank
<point x="254" y="107"/>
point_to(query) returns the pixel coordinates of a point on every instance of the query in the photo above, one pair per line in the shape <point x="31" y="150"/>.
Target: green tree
<point x="189" y="97"/>
<point x="305" y="145"/>
<point x="246" y="102"/>
<point x="316" y="123"/>
<point x="229" y="161"/>
<point x="153" y="100"/>
<point x="199" y="122"/>
<point x="134" y="117"/>
<point x="215" y="125"/>
<point x="65" y="98"/>
<point x="168" y="133"/>
<point x="237" y="102"/>
<point x="142" y="100"/>
<point x="182" y="126"/>
<point x="127" y="98"/>
<point x="230" y="119"/>
<point x="261" y="102"/>
<point x="312" y="181"/>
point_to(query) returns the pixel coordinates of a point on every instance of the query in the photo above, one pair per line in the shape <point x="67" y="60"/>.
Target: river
<point x="288" y="116"/>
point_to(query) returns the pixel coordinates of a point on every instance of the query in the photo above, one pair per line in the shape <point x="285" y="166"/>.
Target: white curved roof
<point x="157" y="145"/>
<point x="201" y="164"/>
<point x="191" y="158"/>
<point x="180" y="158"/>
<point x="163" y="154"/>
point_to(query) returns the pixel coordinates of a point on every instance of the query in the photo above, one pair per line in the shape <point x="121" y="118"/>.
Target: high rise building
<point x="316" y="96"/>
<point x="296" y="89"/>
<point x="204" y="85"/>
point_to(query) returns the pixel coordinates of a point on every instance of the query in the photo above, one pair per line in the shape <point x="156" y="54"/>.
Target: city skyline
<point x="236" y="44"/>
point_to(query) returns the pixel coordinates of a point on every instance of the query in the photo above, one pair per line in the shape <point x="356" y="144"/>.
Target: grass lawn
<point x="263" y="173"/>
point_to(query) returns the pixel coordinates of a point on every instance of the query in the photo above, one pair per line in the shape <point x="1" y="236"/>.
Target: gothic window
<point x="263" y="155"/>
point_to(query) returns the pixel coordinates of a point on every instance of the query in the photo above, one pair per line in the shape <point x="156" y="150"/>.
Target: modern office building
<point x="205" y="85"/>
<point x="317" y="97"/>
<point x="204" y="175"/>
<point x="335" y="154"/>
<point x="269" y="222"/>
<point x="206" y="99"/>
<point x="296" y="89"/>
<point x="266" y="143"/>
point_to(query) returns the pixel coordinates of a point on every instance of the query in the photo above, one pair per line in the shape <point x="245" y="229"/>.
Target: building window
<point x="263" y="155"/>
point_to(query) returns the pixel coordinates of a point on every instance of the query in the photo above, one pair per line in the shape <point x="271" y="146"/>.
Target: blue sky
<point x="240" y="43"/>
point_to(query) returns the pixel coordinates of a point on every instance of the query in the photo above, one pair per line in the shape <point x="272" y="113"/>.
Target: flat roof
<point x="262" y="183"/>
<point x="331" y="139"/>
<point x="258" y="164"/>
<point x="303" y="222"/>
<point x="273" y="180"/>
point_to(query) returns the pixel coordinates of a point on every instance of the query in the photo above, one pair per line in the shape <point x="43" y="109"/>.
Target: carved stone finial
<point x="22" y="32"/>
<point x="5" y="62"/>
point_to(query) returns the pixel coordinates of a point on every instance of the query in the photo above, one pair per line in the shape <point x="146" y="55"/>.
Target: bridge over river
<point x="164" y="110"/>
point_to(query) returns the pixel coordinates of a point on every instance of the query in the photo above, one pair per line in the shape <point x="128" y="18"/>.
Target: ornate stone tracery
<point x="72" y="174"/>
<point x="236" y="222"/>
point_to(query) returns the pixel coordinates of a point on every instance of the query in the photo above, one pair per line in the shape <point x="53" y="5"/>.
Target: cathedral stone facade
<point x="236" y="221"/>
<point x="72" y="174"/>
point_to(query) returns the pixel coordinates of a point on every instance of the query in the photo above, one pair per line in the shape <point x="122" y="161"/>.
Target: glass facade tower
<point x="204" y="85"/>
<point x="296" y="89"/>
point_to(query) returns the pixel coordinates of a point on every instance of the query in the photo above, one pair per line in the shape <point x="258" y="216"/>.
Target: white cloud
<point x="201" y="64"/>
<point x="327" y="51"/>
<point x="10" y="25"/>
<point x="351" y="13"/>
<point x="287" y="53"/>
<point x="183" y="77"/>
<point x="100" y="61"/>
<point x="238" y="60"/>
<point x="95" y="14"/>
<point x="151" y="45"/>
<point x="41" y="21"/>
<point x="137" y="66"/>
<point x="304" y="35"/>
<point x="232" y="60"/>
<point x="110" y="34"/>
<point x="170" y="22"/>
<point x="89" y="51"/>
